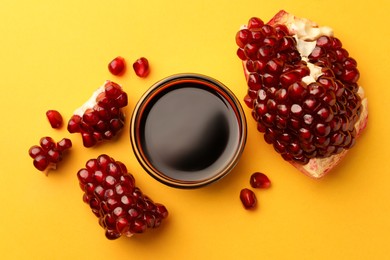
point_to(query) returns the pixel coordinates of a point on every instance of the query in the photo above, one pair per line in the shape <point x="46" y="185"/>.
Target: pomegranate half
<point x="303" y="90"/>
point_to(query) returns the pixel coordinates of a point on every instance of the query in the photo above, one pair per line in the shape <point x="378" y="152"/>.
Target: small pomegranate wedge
<point x="303" y="90"/>
<point x="101" y="117"/>
<point x="111" y="193"/>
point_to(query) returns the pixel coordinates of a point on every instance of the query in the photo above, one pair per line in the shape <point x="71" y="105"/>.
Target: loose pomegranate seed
<point x="48" y="154"/>
<point x="260" y="180"/>
<point x="55" y="118"/>
<point x="117" y="66"/>
<point x="141" y="67"/>
<point x="101" y="118"/>
<point x="248" y="198"/>
<point x="110" y="191"/>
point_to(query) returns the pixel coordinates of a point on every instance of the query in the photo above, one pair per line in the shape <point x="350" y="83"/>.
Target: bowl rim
<point x="169" y="82"/>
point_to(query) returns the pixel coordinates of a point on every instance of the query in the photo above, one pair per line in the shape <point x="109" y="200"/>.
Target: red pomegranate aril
<point x="255" y="23"/>
<point x="257" y="36"/>
<point x="55" y="118"/>
<point x="265" y="52"/>
<point x="241" y="54"/>
<point x="260" y="180"/>
<point x="74" y="124"/>
<point x="350" y="75"/>
<point x="35" y="150"/>
<point x="47" y="143"/>
<point x="274" y="66"/>
<point x="117" y="66"/>
<point x="141" y="67"/>
<point x="64" y="144"/>
<point x="54" y="156"/>
<point x="243" y="37"/>
<point x="297" y="91"/>
<point x="248" y="198"/>
<point x="41" y="162"/>
<point x="288" y="78"/>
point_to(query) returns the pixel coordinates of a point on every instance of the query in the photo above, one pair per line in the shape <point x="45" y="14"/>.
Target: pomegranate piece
<point x="122" y="208"/>
<point x="260" y="180"/>
<point x="303" y="90"/>
<point x="101" y="117"/>
<point x="48" y="153"/>
<point x="117" y="66"/>
<point x="55" y="118"/>
<point x="141" y="67"/>
<point x="248" y="198"/>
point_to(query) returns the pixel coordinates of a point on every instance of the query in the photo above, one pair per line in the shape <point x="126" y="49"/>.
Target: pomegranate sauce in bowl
<point x="188" y="130"/>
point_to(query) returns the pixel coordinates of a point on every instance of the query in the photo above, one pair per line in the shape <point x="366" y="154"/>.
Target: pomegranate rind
<point x="317" y="167"/>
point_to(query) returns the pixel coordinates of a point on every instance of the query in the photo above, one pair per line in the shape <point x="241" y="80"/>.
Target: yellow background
<point x="53" y="54"/>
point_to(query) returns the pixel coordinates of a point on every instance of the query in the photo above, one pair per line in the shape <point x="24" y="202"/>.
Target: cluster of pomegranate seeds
<point x="257" y="180"/>
<point x="301" y="120"/>
<point x="141" y="67"/>
<point x="248" y="198"/>
<point x="100" y="118"/>
<point x="48" y="153"/>
<point x="117" y="66"/>
<point x="111" y="193"/>
<point x="55" y="118"/>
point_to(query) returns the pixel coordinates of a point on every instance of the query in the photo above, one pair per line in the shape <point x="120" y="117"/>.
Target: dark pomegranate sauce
<point x="188" y="131"/>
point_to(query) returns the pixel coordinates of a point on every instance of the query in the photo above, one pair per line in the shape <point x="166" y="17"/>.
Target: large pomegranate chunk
<point x="121" y="206"/>
<point x="48" y="153"/>
<point x="303" y="90"/>
<point x="101" y="117"/>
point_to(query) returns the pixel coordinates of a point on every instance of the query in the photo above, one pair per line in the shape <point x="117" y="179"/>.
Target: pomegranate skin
<point x="303" y="91"/>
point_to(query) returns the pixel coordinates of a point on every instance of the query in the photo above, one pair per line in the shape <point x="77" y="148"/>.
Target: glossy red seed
<point x="117" y="66"/>
<point x="47" y="143"/>
<point x="41" y="162"/>
<point x="35" y="150"/>
<point x="248" y="198"/>
<point x="243" y="37"/>
<point x="138" y="226"/>
<point x="55" y="118"/>
<point x="64" y="144"/>
<point x="255" y="23"/>
<point x="88" y="140"/>
<point x="54" y="156"/>
<point x="141" y="67"/>
<point x="74" y="124"/>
